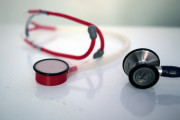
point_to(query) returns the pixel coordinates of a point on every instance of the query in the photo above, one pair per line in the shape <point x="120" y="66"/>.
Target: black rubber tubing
<point x="170" y="71"/>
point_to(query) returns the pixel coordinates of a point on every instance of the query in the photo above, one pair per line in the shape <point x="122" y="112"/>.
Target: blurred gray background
<point x="103" y="12"/>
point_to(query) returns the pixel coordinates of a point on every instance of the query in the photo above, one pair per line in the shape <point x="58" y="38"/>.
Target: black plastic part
<point x="170" y="71"/>
<point x="44" y="12"/>
<point x="153" y="68"/>
<point x="92" y="32"/>
<point x="139" y="50"/>
<point x="98" y="54"/>
<point x="29" y="20"/>
<point x="50" y="74"/>
<point x="27" y="24"/>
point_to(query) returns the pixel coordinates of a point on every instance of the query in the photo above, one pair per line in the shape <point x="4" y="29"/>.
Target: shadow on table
<point x="62" y="90"/>
<point x="142" y="102"/>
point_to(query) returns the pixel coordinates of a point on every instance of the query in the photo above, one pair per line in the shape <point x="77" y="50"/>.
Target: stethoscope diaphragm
<point x="51" y="71"/>
<point x="143" y="68"/>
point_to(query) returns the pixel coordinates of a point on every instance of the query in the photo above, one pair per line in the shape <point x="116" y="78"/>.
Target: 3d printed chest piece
<point x="51" y="72"/>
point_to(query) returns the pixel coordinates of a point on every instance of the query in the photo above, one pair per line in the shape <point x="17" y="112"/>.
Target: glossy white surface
<point x="103" y="93"/>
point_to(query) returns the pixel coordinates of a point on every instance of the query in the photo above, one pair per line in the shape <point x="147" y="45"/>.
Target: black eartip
<point x="98" y="54"/>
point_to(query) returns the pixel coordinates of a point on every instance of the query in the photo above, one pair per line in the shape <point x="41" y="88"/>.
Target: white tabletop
<point x="102" y="93"/>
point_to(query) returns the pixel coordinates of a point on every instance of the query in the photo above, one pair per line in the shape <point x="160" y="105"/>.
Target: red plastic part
<point x="34" y="11"/>
<point x="73" y="69"/>
<point x="51" y="80"/>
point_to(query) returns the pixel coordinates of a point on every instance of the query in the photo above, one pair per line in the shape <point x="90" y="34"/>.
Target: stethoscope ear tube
<point x="170" y="71"/>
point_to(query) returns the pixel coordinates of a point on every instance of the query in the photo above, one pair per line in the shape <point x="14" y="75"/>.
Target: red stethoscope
<point x="52" y="71"/>
<point x="92" y="31"/>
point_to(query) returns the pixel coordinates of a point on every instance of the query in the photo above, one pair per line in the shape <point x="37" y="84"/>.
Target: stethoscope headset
<point x="141" y="65"/>
<point x="53" y="71"/>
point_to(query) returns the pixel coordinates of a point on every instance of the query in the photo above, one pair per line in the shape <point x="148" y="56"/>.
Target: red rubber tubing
<point x="38" y="26"/>
<point x="70" y="18"/>
<point x="65" y="55"/>
<point x="29" y="43"/>
<point x="72" y="56"/>
<point x="73" y="19"/>
<point x="81" y="22"/>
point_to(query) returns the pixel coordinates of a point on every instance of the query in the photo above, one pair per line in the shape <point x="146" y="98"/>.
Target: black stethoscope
<point x="142" y="103"/>
<point x="143" y="68"/>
